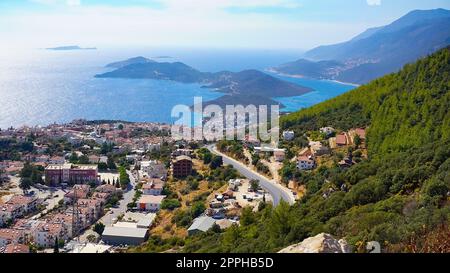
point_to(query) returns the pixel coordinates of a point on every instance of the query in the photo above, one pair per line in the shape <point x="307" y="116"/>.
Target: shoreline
<point x="295" y="76"/>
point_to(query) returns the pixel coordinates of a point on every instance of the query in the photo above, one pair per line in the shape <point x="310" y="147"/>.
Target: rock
<point x="322" y="243"/>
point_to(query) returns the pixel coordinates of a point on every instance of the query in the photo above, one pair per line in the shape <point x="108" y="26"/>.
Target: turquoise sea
<point x="39" y="87"/>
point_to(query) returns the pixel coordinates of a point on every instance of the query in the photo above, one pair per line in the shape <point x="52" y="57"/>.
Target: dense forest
<point x="399" y="196"/>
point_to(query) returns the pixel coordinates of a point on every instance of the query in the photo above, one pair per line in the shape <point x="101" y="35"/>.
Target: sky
<point x="271" y="24"/>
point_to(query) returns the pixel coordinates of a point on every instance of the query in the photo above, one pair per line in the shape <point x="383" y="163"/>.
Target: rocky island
<point x="245" y="87"/>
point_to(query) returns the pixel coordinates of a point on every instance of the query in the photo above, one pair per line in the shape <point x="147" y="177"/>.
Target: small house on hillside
<point x="201" y="224"/>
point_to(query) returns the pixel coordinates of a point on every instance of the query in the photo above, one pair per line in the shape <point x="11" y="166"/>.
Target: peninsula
<point x="245" y="87"/>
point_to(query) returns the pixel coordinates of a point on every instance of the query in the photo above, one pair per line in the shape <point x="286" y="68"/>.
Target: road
<point x="277" y="191"/>
<point x="113" y="213"/>
<point x="107" y="219"/>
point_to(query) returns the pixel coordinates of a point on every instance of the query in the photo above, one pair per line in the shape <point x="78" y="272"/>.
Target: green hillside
<point x="404" y="110"/>
<point x="398" y="196"/>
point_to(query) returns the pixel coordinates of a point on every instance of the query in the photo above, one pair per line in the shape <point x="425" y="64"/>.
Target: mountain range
<point x="377" y="51"/>
<point x="245" y="87"/>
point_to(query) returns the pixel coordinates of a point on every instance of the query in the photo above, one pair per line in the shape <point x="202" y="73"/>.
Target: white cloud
<point x="373" y="2"/>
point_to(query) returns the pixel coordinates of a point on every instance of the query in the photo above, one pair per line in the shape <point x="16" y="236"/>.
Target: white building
<point x="154" y="169"/>
<point x="153" y="147"/>
<point x="47" y="233"/>
<point x="233" y="184"/>
<point x="317" y="148"/>
<point x="154" y="187"/>
<point x="288" y="135"/>
<point x="279" y="155"/>
<point x="150" y="202"/>
<point x="305" y="163"/>
<point x="327" y="130"/>
<point x="124" y="235"/>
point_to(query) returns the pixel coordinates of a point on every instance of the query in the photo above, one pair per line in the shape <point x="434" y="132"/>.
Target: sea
<point x="41" y="87"/>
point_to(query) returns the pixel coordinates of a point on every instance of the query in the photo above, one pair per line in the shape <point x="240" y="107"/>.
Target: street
<point x="107" y="219"/>
<point x="113" y="213"/>
<point x="277" y="191"/>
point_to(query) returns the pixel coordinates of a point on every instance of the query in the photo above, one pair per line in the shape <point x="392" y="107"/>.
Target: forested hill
<point x="404" y="110"/>
<point x="399" y="196"/>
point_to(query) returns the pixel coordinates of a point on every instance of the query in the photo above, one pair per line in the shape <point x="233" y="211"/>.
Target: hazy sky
<point x="298" y="24"/>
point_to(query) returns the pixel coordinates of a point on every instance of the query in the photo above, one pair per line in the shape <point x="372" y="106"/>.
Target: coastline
<point x="295" y="76"/>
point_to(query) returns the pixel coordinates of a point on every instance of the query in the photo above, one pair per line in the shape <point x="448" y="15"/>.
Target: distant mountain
<point x="379" y="51"/>
<point x="245" y="87"/>
<point x="136" y="60"/>
<point x="71" y="48"/>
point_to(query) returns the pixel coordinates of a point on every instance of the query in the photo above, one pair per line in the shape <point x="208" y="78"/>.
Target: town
<point x="111" y="186"/>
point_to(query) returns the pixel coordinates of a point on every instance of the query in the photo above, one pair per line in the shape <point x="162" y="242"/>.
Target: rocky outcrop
<point x="322" y="243"/>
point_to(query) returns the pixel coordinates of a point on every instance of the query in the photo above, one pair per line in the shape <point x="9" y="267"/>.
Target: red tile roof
<point x="361" y="133"/>
<point x="17" y="248"/>
<point x="341" y="139"/>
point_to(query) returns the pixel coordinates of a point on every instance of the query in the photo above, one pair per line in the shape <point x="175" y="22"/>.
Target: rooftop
<point x="16" y="248"/>
<point x="203" y="223"/>
<point x="182" y="157"/>
<point x="125" y="232"/>
<point x="153" y="199"/>
<point x="71" y="167"/>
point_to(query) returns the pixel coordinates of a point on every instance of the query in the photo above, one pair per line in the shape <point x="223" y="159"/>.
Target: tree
<point x="73" y="158"/>
<point x="1" y="175"/>
<point x="357" y="140"/>
<point x="192" y="183"/>
<point x="124" y="179"/>
<point x="216" y="228"/>
<point x="254" y="185"/>
<point x="247" y="216"/>
<point x="255" y="159"/>
<point x="99" y="228"/>
<point x="207" y="157"/>
<point x="106" y="148"/>
<point x="91" y="238"/>
<point x="111" y="164"/>
<point x="216" y="162"/>
<point x="120" y="127"/>
<point x="56" y="246"/>
<point x="25" y="183"/>
<point x="36" y="177"/>
<point x="84" y="159"/>
<point x="26" y="170"/>
<point x="197" y="209"/>
<point x="170" y="204"/>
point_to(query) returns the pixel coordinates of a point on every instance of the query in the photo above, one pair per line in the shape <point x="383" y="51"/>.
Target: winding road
<point x="277" y="191"/>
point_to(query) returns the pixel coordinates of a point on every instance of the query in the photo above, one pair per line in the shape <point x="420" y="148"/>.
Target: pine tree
<point x="56" y="246"/>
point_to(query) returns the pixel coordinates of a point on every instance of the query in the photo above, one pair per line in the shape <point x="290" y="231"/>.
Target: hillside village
<point x="105" y="186"/>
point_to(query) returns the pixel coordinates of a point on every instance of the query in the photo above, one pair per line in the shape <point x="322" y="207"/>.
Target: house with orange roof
<point x="15" y="249"/>
<point x="47" y="233"/>
<point x="341" y="139"/>
<point x="11" y="236"/>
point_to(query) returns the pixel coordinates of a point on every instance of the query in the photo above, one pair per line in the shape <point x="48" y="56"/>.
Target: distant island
<point x="62" y="48"/>
<point x="245" y="87"/>
<point x="163" y="57"/>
